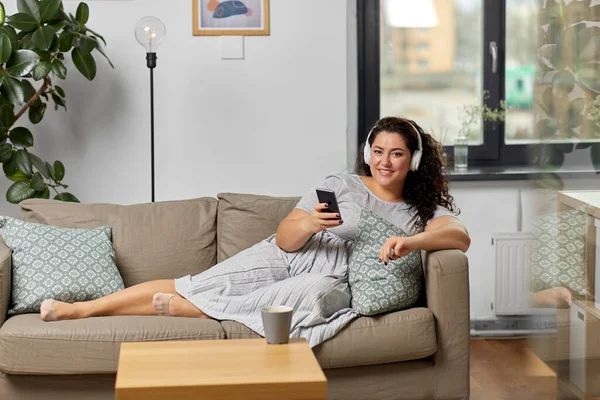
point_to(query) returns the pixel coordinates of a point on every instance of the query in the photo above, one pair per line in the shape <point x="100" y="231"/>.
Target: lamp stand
<point x="151" y="64"/>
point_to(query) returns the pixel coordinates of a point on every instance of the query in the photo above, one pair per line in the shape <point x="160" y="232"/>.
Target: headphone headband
<point x="416" y="157"/>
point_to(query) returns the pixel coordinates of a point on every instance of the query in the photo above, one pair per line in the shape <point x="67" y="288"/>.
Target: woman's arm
<point x="441" y="233"/>
<point x="295" y="230"/>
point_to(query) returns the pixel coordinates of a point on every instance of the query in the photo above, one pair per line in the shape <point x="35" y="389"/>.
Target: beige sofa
<point x="421" y="353"/>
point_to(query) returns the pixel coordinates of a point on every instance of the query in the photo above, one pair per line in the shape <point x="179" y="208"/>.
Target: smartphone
<point x="328" y="196"/>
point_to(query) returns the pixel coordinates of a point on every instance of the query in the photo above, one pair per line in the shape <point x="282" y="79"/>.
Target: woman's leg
<point x="134" y="300"/>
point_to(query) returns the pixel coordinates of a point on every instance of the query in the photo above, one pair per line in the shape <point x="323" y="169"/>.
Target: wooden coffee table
<point x="219" y="369"/>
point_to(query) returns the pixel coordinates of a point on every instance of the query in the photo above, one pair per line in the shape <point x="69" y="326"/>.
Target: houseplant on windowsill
<point x="33" y="43"/>
<point x="470" y="118"/>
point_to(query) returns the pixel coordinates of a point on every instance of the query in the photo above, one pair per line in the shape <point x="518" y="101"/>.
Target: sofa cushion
<point x="399" y="336"/>
<point x="558" y="252"/>
<point x="246" y="219"/>
<point x="387" y="338"/>
<point x="58" y="263"/>
<point x="163" y="240"/>
<point x="236" y="330"/>
<point x="377" y="288"/>
<point x="29" y="345"/>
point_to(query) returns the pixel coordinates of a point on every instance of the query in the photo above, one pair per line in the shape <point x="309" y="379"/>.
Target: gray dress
<point x="313" y="280"/>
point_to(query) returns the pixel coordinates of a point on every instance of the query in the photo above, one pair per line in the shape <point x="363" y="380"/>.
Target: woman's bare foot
<point x="47" y="310"/>
<point x="160" y="302"/>
<point x="167" y="304"/>
<point x="558" y="297"/>
<point x="53" y="310"/>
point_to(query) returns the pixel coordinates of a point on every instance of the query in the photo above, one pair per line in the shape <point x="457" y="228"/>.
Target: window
<point x="542" y="62"/>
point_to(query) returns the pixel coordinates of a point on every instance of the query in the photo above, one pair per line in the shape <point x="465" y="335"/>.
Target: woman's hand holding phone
<point x="320" y="219"/>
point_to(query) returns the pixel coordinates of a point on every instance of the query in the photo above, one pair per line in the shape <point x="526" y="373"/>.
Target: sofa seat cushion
<point x="88" y="346"/>
<point x="387" y="338"/>
<point x="236" y="330"/>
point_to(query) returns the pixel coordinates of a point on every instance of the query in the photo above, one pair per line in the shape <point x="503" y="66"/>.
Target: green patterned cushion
<point x="377" y="288"/>
<point x="558" y="251"/>
<point x="58" y="263"/>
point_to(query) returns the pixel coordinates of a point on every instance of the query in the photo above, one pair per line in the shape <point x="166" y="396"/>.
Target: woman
<point x="304" y="265"/>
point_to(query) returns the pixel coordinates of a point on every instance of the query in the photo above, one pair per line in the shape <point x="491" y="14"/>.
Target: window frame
<point x="493" y="151"/>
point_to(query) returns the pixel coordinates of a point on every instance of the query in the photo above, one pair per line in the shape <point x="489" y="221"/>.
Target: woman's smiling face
<point x="390" y="160"/>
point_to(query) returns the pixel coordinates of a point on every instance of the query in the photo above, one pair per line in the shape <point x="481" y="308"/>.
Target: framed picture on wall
<point x="230" y="17"/>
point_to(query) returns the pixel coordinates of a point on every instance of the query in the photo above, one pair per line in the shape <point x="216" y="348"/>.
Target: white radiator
<point x="513" y="251"/>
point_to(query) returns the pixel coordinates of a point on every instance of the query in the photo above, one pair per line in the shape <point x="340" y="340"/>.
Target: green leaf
<point x="37" y="182"/>
<point x="66" y="196"/>
<point x="26" y="42"/>
<point x="23" y="22"/>
<point x="10" y="168"/>
<point x="12" y="34"/>
<point x="36" y="113"/>
<point x="23" y="161"/>
<point x="42" y="38"/>
<point x="59" y="171"/>
<point x="54" y="45"/>
<point x="39" y="164"/>
<point x="50" y="170"/>
<point x="58" y="25"/>
<point x="48" y="9"/>
<point x="18" y="192"/>
<point x="60" y="91"/>
<point x="83" y="13"/>
<point x="65" y="40"/>
<point x="29" y="91"/>
<point x="5" y="47"/>
<point x="45" y="194"/>
<point x="95" y="34"/>
<point x="41" y="70"/>
<point x="59" y="69"/>
<point x="7" y="117"/>
<point x="19" y="177"/>
<point x="2" y="13"/>
<point x="6" y="152"/>
<point x="59" y="101"/>
<point x="21" y="136"/>
<point x="101" y="51"/>
<point x="85" y="43"/>
<point x="31" y="7"/>
<point x="22" y="62"/>
<point x="12" y="91"/>
<point x="84" y="63"/>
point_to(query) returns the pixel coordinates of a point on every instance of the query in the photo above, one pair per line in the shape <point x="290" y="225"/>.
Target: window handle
<point x="494" y="53"/>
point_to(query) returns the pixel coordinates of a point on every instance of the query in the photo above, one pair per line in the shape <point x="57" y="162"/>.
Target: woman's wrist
<point x="308" y="226"/>
<point x="415" y="242"/>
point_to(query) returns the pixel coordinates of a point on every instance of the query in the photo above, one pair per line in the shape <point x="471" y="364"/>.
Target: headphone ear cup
<point x="416" y="160"/>
<point x="367" y="154"/>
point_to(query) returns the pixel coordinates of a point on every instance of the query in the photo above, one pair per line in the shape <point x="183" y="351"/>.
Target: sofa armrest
<point x="5" y="279"/>
<point x="447" y="287"/>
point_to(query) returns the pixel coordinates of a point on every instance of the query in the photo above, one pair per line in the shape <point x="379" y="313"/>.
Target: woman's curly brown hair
<point x="425" y="188"/>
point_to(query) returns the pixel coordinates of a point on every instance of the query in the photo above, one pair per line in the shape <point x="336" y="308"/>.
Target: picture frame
<point x="230" y="17"/>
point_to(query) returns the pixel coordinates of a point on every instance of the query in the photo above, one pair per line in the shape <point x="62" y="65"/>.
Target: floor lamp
<point x="150" y="32"/>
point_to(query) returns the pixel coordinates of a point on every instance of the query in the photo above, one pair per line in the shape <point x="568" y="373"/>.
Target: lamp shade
<point x="410" y="13"/>
<point x="150" y="32"/>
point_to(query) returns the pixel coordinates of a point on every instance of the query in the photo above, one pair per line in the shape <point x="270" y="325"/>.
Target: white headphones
<point x="416" y="158"/>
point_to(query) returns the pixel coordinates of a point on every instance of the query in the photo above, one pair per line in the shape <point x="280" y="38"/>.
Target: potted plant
<point x="470" y="118"/>
<point x="33" y="46"/>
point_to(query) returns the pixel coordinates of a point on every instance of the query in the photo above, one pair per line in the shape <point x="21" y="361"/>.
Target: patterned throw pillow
<point x="558" y="251"/>
<point x="377" y="288"/>
<point x="58" y="263"/>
